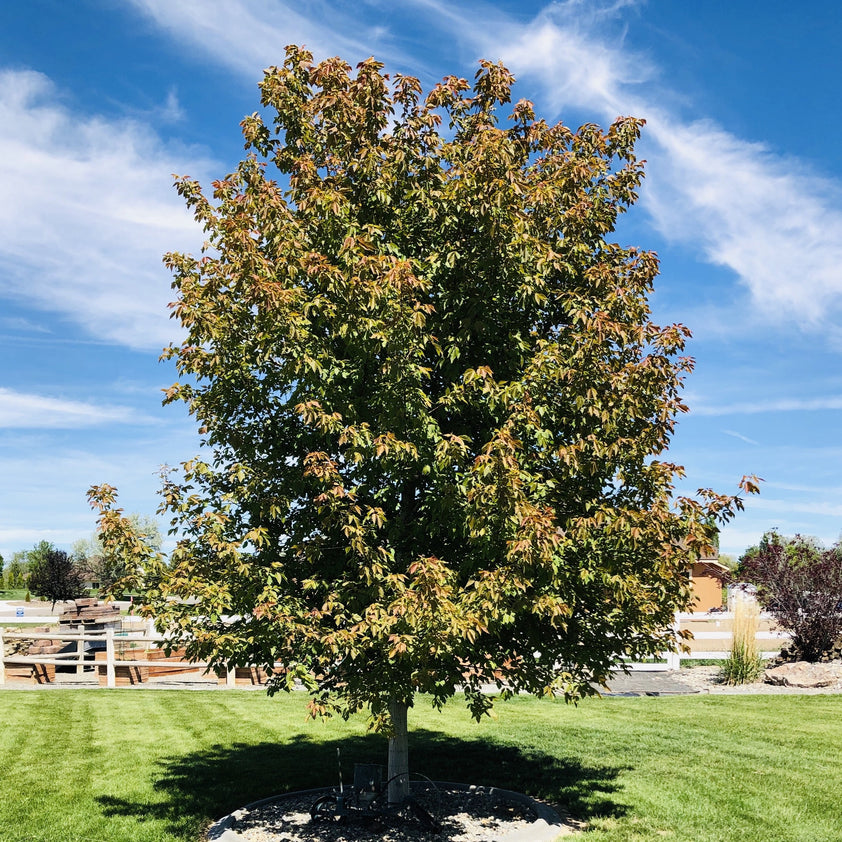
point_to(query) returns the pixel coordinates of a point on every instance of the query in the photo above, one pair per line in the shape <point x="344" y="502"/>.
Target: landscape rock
<point x="804" y="674"/>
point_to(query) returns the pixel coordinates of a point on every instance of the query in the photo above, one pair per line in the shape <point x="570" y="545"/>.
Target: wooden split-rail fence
<point x="117" y="658"/>
<point x="136" y="656"/>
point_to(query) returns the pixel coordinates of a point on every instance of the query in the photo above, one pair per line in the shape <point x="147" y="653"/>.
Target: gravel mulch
<point x="708" y="679"/>
<point x="475" y="815"/>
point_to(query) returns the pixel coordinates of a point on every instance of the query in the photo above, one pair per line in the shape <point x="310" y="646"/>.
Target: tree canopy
<point x="52" y="574"/>
<point x="434" y="398"/>
<point x="17" y="570"/>
<point x="108" y="567"/>
<point x="800" y="582"/>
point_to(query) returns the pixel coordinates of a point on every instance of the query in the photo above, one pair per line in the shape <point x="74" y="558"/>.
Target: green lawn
<point x="107" y="766"/>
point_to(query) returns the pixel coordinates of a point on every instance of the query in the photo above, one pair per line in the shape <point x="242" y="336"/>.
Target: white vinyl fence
<point x="712" y="637"/>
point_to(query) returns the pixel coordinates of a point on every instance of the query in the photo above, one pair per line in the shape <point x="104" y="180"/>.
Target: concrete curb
<point x="547" y="827"/>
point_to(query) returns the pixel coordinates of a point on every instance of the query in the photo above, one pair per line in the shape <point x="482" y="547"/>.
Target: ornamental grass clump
<point x="744" y="664"/>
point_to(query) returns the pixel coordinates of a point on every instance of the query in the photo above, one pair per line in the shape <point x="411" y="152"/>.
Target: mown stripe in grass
<point x="150" y="766"/>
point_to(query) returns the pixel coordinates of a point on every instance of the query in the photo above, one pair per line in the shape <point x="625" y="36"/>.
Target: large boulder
<point x="804" y="674"/>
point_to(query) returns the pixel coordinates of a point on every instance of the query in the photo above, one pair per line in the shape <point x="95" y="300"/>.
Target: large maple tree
<point x="435" y="402"/>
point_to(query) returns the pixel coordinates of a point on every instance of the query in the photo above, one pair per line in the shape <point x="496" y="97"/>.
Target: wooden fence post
<point x="80" y="656"/>
<point x="110" y="675"/>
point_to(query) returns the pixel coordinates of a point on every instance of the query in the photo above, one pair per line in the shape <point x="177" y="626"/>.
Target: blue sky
<point x="102" y="101"/>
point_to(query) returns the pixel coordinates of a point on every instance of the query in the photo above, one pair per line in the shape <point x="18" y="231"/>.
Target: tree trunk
<point x="398" y="773"/>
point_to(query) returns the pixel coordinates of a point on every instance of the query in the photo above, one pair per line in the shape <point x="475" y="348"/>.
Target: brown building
<point x="707" y="576"/>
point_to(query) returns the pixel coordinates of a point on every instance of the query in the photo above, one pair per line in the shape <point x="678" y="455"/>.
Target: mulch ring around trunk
<point x="462" y="814"/>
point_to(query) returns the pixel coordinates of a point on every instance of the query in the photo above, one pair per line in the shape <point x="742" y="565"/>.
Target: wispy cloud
<point x="171" y="111"/>
<point x="788" y="506"/>
<point x="765" y="216"/>
<point x="574" y="50"/>
<point x="22" y="325"/>
<point x="823" y="490"/>
<point x="29" y="411"/>
<point x="86" y="211"/>
<point x="788" y="517"/>
<point x="740" y="436"/>
<point x="49" y="494"/>
<point x="830" y="402"/>
<point x="762" y="215"/>
<point x="248" y="35"/>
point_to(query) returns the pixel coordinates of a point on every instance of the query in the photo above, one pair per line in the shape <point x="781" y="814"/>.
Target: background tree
<point x="54" y="576"/>
<point x="38" y="554"/>
<point x="17" y="571"/>
<point x="802" y="546"/>
<point x="433" y="394"/>
<point x="106" y="567"/>
<point x="800" y="583"/>
<point x="729" y="561"/>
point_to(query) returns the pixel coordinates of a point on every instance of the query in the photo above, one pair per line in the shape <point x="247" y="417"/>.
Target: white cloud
<point x="49" y="501"/>
<point x="762" y="515"/>
<point x="763" y="215"/>
<point x="740" y="205"/>
<point x="171" y="111"/>
<point x="823" y="490"/>
<point x="249" y="35"/>
<point x="740" y="436"/>
<point x="828" y="402"/>
<point x="736" y="539"/>
<point x="19" y="324"/>
<point x="572" y="50"/>
<point x="46" y="480"/>
<point x="28" y="411"/>
<point x="817" y="507"/>
<point x="86" y="211"/>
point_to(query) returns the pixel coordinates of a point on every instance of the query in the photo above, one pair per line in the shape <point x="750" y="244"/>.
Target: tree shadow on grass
<point x="200" y="787"/>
